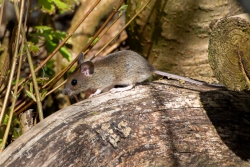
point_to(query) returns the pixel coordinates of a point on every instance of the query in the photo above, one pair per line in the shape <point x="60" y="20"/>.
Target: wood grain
<point x="163" y="123"/>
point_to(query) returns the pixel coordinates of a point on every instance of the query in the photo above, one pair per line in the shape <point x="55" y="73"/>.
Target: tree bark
<point x="173" y="35"/>
<point x="163" y="123"/>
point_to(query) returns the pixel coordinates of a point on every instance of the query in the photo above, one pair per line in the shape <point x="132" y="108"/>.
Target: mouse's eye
<point x="74" y="82"/>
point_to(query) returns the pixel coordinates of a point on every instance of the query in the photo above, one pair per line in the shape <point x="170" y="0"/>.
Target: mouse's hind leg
<point x="122" y="89"/>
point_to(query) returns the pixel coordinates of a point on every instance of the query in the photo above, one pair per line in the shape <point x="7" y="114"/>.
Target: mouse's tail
<point x="173" y="76"/>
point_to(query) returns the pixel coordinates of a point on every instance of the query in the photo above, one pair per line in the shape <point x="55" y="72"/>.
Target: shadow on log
<point x="158" y="124"/>
<point x="230" y="114"/>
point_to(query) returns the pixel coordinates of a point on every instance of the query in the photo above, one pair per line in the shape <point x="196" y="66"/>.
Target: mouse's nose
<point x="67" y="91"/>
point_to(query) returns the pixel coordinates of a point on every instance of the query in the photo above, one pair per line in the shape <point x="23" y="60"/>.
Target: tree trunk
<point x="173" y="34"/>
<point x="163" y="123"/>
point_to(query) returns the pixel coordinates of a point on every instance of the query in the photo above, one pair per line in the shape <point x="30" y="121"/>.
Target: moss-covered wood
<point x="229" y="52"/>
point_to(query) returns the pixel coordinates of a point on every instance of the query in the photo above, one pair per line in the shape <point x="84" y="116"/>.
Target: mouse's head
<point x="79" y="80"/>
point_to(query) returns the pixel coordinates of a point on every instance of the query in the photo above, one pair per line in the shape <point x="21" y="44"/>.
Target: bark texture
<point x="163" y="123"/>
<point x="174" y="34"/>
<point x="229" y="50"/>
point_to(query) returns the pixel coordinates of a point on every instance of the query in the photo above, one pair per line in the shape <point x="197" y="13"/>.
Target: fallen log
<point x="163" y="123"/>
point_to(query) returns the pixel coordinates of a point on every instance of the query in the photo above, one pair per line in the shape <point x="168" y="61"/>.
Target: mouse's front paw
<point x="92" y="95"/>
<point x="98" y="91"/>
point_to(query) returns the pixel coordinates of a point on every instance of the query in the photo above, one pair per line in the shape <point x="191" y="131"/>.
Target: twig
<point x="23" y="107"/>
<point x="33" y="74"/>
<point x="18" y="76"/>
<point x="103" y="33"/>
<point x="13" y="67"/>
<point x="123" y="28"/>
<point x="89" y="44"/>
<point x="92" y="57"/>
<point x="1" y="12"/>
<point x="61" y="84"/>
<point x="114" y="46"/>
<point x="63" y="42"/>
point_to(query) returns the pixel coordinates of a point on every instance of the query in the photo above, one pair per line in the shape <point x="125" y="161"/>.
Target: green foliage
<point x="15" y="128"/>
<point x="47" y="36"/>
<point x="50" y="39"/>
<point x="123" y="7"/>
<point x="29" y="92"/>
<point x="95" y="40"/>
<point x="12" y="93"/>
<point x="33" y="48"/>
<point x="42" y="80"/>
<point x="5" y="120"/>
<point x="31" y="95"/>
<point x="65" y="53"/>
<point x="48" y="69"/>
<point x="49" y="6"/>
<point x="31" y="87"/>
<point x="43" y="94"/>
<point x="14" y="81"/>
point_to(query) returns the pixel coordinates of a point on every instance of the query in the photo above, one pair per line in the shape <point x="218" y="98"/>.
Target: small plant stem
<point x="1" y="12"/>
<point x="36" y="88"/>
<point x="103" y="33"/>
<point x="123" y="28"/>
<point x="63" y="42"/>
<point x="23" y="107"/>
<point x="17" y="79"/>
<point x="13" y="67"/>
<point x="33" y="74"/>
<point x="61" y="84"/>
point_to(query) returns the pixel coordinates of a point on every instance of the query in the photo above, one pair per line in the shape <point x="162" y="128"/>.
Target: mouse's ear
<point x="80" y="58"/>
<point x="87" y="68"/>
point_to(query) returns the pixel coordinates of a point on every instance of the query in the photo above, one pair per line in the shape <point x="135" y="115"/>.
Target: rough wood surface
<point x="173" y="35"/>
<point x="164" y="123"/>
<point x="228" y="52"/>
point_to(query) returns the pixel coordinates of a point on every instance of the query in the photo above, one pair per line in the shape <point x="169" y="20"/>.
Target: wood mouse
<point x="121" y="68"/>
